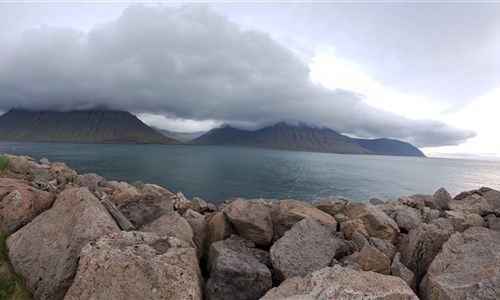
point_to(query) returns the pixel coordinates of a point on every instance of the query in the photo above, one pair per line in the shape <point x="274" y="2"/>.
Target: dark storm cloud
<point x="193" y="64"/>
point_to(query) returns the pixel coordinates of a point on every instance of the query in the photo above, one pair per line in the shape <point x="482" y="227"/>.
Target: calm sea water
<point x="218" y="173"/>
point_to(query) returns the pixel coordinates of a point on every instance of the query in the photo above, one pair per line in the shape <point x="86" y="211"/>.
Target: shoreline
<point x="127" y="236"/>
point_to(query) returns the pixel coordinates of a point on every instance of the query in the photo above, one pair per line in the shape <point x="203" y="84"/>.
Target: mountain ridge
<point x="95" y="126"/>
<point x="304" y="137"/>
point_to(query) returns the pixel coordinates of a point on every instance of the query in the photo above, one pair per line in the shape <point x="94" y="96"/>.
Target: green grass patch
<point x="5" y="163"/>
<point x="12" y="285"/>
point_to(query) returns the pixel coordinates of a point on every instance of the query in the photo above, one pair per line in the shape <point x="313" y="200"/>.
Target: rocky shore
<point x="80" y="236"/>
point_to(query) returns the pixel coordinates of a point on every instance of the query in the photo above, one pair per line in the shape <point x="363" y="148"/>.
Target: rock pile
<point x="84" y="237"/>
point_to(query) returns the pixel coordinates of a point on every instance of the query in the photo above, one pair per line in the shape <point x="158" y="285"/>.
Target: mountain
<point x="283" y="135"/>
<point x="385" y="146"/>
<point x="305" y="137"/>
<point x="100" y="125"/>
<point x="180" y="136"/>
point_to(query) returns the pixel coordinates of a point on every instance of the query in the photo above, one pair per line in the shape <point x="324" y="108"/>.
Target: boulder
<point x="408" y="219"/>
<point x="121" y="192"/>
<point x="240" y="245"/>
<point x="198" y="205"/>
<point x="137" y="265"/>
<point x="251" y="219"/>
<point x="463" y="220"/>
<point x="401" y="271"/>
<point x="307" y="247"/>
<point x="371" y="259"/>
<point x="492" y="197"/>
<point x="494" y="223"/>
<point x="419" y="247"/>
<point x="443" y="224"/>
<point x="473" y="204"/>
<point x="441" y="199"/>
<point x="289" y="212"/>
<point x="371" y="220"/>
<point x="342" y="283"/>
<point x="384" y="246"/>
<point x="20" y="203"/>
<point x="427" y="200"/>
<point x="199" y="225"/>
<point x="171" y="224"/>
<point x="219" y="228"/>
<point x="429" y="214"/>
<point x="46" y="250"/>
<point x="144" y="208"/>
<point x="466" y="194"/>
<point x="91" y="181"/>
<point x="468" y="267"/>
<point x="58" y="174"/>
<point x="237" y="276"/>
<point x="331" y="205"/>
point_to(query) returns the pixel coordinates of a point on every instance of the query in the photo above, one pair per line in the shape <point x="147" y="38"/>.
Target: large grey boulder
<point x="171" y="224"/>
<point x="289" y="212"/>
<point x="46" y="250"/>
<point x="462" y="220"/>
<point x="473" y="204"/>
<point x="442" y="199"/>
<point x="342" y="283"/>
<point x="252" y="220"/>
<point x="20" y="203"/>
<point x="408" y="219"/>
<point x="419" y="247"/>
<point x="307" y="247"/>
<point x="331" y="205"/>
<point x="137" y="265"/>
<point x="238" y="277"/>
<point x="369" y="220"/>
<point x="240" y="245"/>
<point x="468" y="267"/>
<point x="199" y="225"/>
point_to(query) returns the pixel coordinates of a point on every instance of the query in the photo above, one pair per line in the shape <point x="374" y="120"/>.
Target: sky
<point x="424" y="72"/>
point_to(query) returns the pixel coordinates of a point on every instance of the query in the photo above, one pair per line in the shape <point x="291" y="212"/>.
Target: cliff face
<point x="78" y="126"/>
<point x="299" y="136"/>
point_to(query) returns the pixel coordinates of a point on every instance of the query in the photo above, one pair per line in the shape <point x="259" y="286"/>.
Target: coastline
<point x="129" y="237"/>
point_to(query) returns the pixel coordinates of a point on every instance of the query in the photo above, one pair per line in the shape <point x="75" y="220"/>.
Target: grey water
<point x="217" y="173"/>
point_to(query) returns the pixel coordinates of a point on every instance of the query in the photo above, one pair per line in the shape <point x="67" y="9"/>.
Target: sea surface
<point x="217" y="173"/>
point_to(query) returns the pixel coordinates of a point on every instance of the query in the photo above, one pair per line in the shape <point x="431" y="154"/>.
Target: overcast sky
<point x="426" y="73"/>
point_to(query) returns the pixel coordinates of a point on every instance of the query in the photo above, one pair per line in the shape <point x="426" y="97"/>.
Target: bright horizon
<point x="425" y="73"/>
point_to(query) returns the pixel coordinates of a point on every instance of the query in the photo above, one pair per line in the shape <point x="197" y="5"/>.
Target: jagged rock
<point x="199" y="225"/>
<point x="370" y="221"/>
<point x="375" y="201"/>
<point x="473" y="204"/>
<point x="307" y="247"/>
<point x="46" y="250"/>
<point x="144" y="208"/>
<point x="237" y="276"/>
<point x="251" y="219"/>
<point x="408" y="219"/>
<point x="289" y="212"/>
<point x="331" y="205"/>
<point x="419" y="247"/>
<point x="91" y="181"/>
<point x="494" y="223"/>
<point x="180" y="202"/>
<point x="442" y="199"/>
<point x="137" y="265"/>
<point x="492" y="197"/>
<point x="340" y="218"/>
<point x="371" y="259"/>
<point x="121" y="192"/>
<point x="468" y="267"/>
<point x="443" y="224"/>
<point x="427" y="200"/>
<point x="122" y="221"/>
<point x="463" y="220"/>
<point x="240" y="245"/>
<point x="342" y="283"/>
<point x="429" y="214"/>
<point x="401" y="271"/>
<point x="44" y="161"/>
<point x="20" y="203"/>
<point x="219" y="228"/>
<point x="359" y="240"/>
<point x="171" y="224"/>
<point x="384" y="246"/>
<point x="198" y="205"/>
<point x="31" y="170"/>
<point x="466" y="194"/>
